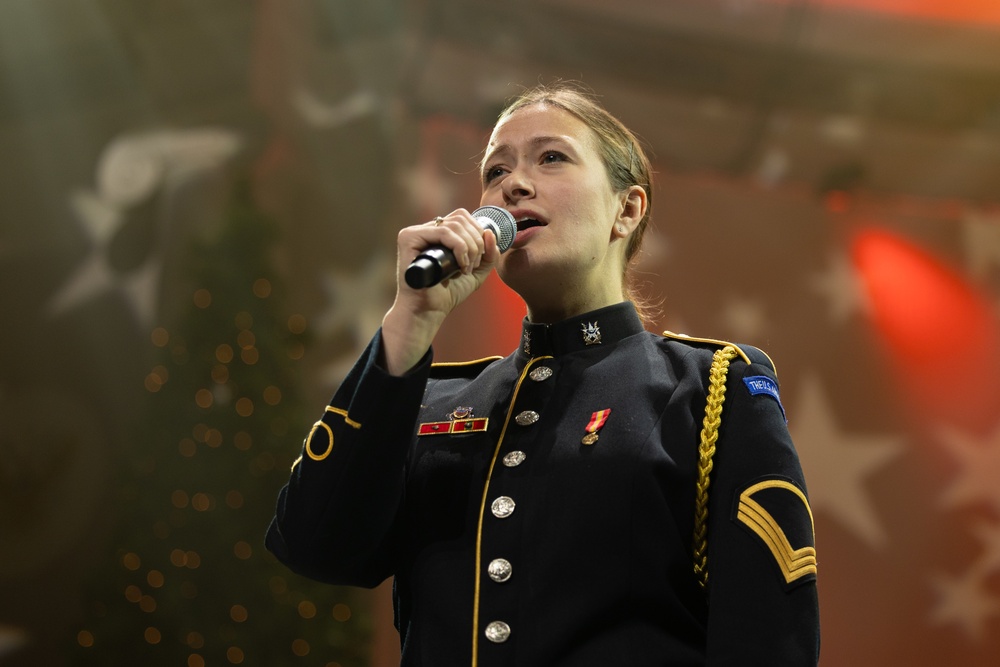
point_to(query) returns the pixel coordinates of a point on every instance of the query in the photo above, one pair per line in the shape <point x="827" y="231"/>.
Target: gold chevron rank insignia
<point x="778" y="513"/>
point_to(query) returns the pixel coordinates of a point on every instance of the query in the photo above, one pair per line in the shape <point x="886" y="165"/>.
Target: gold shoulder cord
<point x="706" y="450"/>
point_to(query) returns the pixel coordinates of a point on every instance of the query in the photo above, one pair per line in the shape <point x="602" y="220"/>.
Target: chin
<point x="516" y="269"/>
<point x="526" y="273"/>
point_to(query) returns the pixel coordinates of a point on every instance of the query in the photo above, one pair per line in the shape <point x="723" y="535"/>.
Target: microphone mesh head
<point x="500" y="221"/>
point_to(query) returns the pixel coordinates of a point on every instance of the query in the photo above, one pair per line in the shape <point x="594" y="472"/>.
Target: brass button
<point x="497" y="632"/>
<point x="502" y="507"/>
<point x="526" y="418"/>
<point x="514" y="459"/>
<point x="540" y="374"/>
<point x="500" y="570"/>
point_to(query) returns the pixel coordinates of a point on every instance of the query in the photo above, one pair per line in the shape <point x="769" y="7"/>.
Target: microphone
<point x="438" y="263"/>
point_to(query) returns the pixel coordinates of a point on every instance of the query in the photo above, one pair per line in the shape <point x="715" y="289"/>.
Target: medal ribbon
<point x="597" y="420"/>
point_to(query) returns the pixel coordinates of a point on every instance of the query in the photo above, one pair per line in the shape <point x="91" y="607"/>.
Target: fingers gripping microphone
<point x="438" y="263"/>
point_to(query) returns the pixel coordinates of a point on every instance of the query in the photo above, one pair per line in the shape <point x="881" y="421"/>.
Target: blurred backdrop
<point x="199" y="202"/>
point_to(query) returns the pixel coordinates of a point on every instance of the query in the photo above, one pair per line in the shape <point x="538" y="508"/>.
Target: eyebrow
<point x="533" y="142"/>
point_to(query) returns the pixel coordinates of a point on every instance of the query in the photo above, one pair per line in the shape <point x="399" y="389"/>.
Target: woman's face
<point x="542" y="164"/>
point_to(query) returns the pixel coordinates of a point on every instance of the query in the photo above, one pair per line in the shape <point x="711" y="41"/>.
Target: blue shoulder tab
<point x="762" y="384"/>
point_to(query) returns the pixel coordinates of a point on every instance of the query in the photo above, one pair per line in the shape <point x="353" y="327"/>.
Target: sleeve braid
<point x="706" y="450"/>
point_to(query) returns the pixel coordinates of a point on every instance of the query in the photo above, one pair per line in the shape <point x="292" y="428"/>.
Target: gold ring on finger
<point x="438" y="220"/>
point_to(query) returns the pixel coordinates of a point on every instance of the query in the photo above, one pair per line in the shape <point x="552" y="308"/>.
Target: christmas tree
<point x="189" y="581"/>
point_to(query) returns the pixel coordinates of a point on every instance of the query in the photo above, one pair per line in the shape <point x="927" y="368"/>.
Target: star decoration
<point x="963" y="601"/>
<point x="130" y="170"/>
<point x="773" y="167"/>
<point x="745" y="318"/>
<point x="978" y="478"/>
<point x="842" y="286"/>
<point x="981" y="238"/>
<point x="846" y="130"/>
<point x="140" y="288"/>
<point x="100" y="221"/>
<point x="357" y="303"/>
<point x="91" y="279"/>
<point x="95" y="275"/>
<point x="318" y="113"/>
<point x="427" y="188"/>
<point x="837" y="465"/>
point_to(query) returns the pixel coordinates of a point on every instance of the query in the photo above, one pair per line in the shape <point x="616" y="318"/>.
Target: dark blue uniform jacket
<point x="514" y="542"/>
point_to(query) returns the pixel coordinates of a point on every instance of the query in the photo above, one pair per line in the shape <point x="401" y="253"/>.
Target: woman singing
<point x="603" y="495"/>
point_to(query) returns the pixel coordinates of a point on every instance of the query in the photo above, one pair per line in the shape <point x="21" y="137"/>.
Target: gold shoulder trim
<point x="460" y="369"/>
<point x="774" y="368"/>
<point x="472" y="362"/>
<point x="343" y="413"/>
<point x="711" y="341"/>
<point x="794" y="563"/>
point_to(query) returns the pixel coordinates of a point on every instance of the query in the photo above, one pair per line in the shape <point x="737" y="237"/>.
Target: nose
<point x="517" y="186"/>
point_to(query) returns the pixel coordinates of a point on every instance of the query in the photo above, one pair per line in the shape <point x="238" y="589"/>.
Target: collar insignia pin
<point x="591" y="333"/>
<point x="527" y="342"/>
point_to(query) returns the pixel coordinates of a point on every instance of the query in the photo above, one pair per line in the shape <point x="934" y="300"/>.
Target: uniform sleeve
<point x="336" y="518"/>
<point x="762" y="596"/>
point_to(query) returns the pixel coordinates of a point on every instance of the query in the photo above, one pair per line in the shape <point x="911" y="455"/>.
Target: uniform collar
<point x="598" y="328"/>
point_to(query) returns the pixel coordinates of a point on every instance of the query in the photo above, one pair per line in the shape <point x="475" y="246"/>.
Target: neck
<point x="557" y="292"/>
<point x="548" y="309"/>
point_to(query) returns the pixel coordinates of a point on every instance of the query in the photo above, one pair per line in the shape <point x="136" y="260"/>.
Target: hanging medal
<point x="597" y="420"/>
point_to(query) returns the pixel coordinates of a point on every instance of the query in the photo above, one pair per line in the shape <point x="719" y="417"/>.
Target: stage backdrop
<point x="198" y="209"/>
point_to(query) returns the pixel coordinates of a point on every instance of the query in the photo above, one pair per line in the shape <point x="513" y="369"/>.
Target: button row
<point x="500" y="569"/>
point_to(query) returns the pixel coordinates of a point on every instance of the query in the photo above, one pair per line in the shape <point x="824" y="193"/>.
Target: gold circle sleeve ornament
<point x="329" y="448"/>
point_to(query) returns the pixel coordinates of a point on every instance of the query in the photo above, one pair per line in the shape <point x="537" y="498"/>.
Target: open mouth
<point x="528" y="223"/>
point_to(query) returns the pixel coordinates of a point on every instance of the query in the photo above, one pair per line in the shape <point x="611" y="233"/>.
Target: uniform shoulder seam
<point x="748" y="353"/>
<point x="443" y="369"/>
<point x="684" y="338"/>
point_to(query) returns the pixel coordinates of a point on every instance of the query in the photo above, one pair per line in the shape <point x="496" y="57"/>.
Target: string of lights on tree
<point x="189" y="581"/>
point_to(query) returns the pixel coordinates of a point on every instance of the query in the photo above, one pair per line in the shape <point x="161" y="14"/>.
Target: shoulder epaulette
<point x="459" y="369"/>
<point x="747" y="353"/>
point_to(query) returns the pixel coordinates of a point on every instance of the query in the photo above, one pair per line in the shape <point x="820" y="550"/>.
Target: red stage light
<point x="941" y="334"/>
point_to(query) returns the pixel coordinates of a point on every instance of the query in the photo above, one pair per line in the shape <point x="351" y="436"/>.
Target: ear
<point x="633" y="208"/>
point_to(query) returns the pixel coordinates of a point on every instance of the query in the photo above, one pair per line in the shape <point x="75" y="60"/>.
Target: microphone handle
<point x="430" y="267"/>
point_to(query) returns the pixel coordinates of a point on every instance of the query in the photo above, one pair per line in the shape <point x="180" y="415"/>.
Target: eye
<point x="492" y="173"/>
<point x="552" y="156"/>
